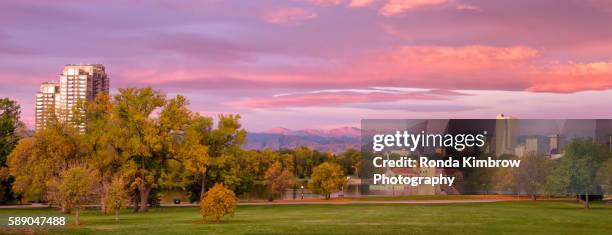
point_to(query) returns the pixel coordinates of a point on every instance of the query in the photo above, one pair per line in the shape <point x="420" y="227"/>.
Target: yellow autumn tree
<point x="326" y="179"/>
<point x="116" y="196"/>
<point x="77" y="187"/>
<point x="218" y="202"/>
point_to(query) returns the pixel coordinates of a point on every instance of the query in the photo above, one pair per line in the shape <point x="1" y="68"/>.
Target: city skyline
<point x="298" y="64"/>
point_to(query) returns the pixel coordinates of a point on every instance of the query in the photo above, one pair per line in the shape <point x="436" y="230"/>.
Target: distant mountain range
<point x="336" y="140"/>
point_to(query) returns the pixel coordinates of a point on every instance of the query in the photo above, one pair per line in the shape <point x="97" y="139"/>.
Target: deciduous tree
<point x="576" y="171"/>
<point x="278" y="180"/>
<point x="326" y="179"/>
<point x="531" y="175"/>
<point x="9" y="136"/>
<point x="141" y="138"/>
<point x="76" y="187"/>
<point x="116" y="196"/>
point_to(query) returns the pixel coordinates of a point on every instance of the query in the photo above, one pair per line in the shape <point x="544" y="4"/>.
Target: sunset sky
<point x="325" y="63"/>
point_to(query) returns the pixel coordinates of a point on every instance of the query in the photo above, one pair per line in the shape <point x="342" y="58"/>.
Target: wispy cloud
<point x="288" y="15"/>
<point x="342" y="97"/>
<point x="396" y="7"/>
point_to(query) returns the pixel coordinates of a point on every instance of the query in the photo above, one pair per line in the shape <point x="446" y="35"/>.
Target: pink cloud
<point x="288" y="15"/>
<point x="568" y="78"/>
<point x="361" y="3"/>
<point x="471" y="67"/>
<point x="396" y="7"/>
<point x="325" y="2"/>
<point x="333" y="98"/>
<point x="468" y="7"/>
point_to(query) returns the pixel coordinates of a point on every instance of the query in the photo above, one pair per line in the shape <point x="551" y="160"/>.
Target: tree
<point x="99" y="141"/>
<point x="116" y="196"/>
<point x="141" y="138"/>
<point x="9" y="125"/>
<point x="39" y="159"/>
<point x="11" y="131"/>
<point x="480" y="179"/>
<point x="76" y="187"/>
<point x="504" y="179"/>
<point x="350" y="160"/>
<point x="224" y="145"/>
<point x="326" y="179"/>
<point x="531" y="174"/>
<point x="194" y="152"/>
<point x="278" y="180"/>
<point x="605" y="176"/>
<point x="576" y="171"/>
<point x="218" y="202"/>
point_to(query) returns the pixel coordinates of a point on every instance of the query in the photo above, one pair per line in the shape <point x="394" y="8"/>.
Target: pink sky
<point x="325" y="63"/>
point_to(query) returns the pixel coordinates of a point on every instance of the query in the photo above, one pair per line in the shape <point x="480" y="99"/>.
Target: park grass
<point x="518" y="217"/>
<point x="423" y="197"/>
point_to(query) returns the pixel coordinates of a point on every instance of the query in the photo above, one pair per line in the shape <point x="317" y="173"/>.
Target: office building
<point x="505" y="134"/>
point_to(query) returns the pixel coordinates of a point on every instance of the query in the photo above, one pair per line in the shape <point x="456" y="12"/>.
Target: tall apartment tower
<point x="47" y="101"/>
<point x="505" y="134"/>
<point x="78" y="83"/>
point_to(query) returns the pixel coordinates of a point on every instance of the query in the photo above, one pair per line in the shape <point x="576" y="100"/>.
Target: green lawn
<point x="524" y="217"/>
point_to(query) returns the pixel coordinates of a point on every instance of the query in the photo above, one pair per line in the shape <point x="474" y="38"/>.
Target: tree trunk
<point x="203" y="185"/>
<point x="78" y="210"/>
<point x="144" y="197"/>
<point x="65" y="210"/>
<point x="116" y="214"/>
<point x="534" y="197"/>
<point x="136" y="205"/>
<point x="103" y="208"/>
<point x="586" y="200"/>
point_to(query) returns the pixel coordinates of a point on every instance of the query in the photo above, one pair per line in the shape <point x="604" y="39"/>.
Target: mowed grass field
<point x="520" y="217"/>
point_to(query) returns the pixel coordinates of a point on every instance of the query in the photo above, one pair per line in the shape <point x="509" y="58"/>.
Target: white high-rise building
<point x="47" y="101"/>
<point x="78" y="83"/>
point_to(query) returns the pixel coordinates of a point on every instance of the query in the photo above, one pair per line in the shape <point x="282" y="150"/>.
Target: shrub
<point x="218" y="202"/>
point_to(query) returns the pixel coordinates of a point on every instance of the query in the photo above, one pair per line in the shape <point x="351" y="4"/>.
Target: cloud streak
<point x="341" y="97"/>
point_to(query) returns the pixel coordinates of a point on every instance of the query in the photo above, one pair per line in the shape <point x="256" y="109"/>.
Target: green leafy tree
<point x="350" y="160"/>
<point x="326" y="179"/>
<point x="278" y="180"/>
<point x="194" y="152"/>
<point x="77" y="186"/>
<point x="576" y="171"/>
<point x="250" y="169"/>
<point x="531" y="175"/>
<point x="142" y="142"/>
<point x="605" y="176"/>
<point x="9" y="136"/>
<point x="224" y="144"/>
<point x="99" y="141"/>
<point x="161" y="152"/>
<point x="218" y="202"/>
